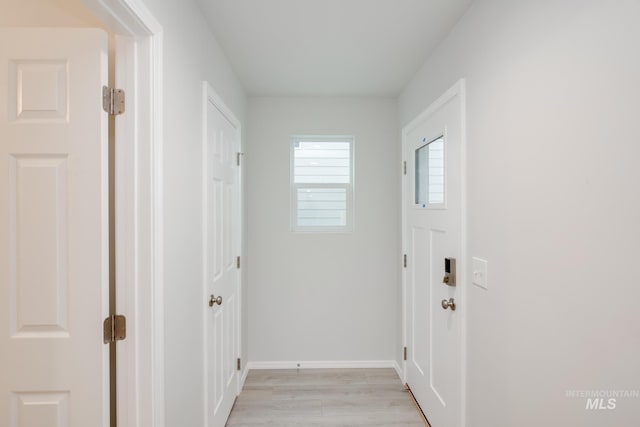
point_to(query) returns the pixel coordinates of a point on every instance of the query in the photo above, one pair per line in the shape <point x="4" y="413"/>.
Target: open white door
<point x="54" y="275"/>
<point x="434" y="238"/>
<point x="221" y="266"/>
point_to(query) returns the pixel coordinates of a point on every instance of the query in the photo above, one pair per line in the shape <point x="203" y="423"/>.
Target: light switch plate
<point x="479" y="272"/>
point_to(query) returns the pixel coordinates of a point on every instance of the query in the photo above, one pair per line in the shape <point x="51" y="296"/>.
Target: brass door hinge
<point x="112" y="100"/>
<point x="238" y="262"/>
<point x="114" y="328"/>
<point x="239" y="363"/>
<point x="238" y="155"/>
<point x="405" y="260"/>
<point x="405" y="353"/>
<point x="404" y="168"/>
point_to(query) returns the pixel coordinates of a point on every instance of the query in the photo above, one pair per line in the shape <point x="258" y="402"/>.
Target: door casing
<point x="138" y="215"/>
<point x="457" y="90"/>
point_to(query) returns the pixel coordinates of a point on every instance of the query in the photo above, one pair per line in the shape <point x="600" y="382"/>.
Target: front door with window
<point x="433" y="240"/>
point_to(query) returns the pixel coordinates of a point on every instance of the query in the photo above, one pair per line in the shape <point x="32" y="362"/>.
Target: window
<point x="429" y="188"/>
<point x="321" y="183"/>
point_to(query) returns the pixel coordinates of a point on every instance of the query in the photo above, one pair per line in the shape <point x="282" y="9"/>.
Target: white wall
<point x="191" y="55"/>
<point x="554" y="204"/>
<point x="322" y="297"/>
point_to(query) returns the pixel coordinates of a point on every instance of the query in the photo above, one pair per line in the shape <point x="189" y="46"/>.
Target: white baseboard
<point x="328" y="364"/>
<point x="398" y="369"/>
<point x="243" y="377"/>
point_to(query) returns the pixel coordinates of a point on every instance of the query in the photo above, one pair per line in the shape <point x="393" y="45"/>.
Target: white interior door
<point x="53" y="228"/>
<point x="222" y="246"/>
<point x="433" y="229"/>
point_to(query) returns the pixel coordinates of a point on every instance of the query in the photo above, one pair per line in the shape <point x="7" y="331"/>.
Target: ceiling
<point x="329" y="47"/>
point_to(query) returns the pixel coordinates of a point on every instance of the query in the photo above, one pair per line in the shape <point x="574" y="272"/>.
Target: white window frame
<point x="349" y="187"/>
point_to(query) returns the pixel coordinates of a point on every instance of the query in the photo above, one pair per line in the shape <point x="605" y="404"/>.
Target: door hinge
<point x="112" y="100"/>
<point x="405" y="260"/>
<point x="238" y="155"/>
<point x="238" y="262"/>
<point x="239" y="363"/>
<point x="405" y="353"/>
<point x="114" y="328"/>
<point x="404" y="168"/>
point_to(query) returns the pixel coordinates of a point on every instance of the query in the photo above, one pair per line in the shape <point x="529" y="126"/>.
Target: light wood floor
<point x="324" y="397"/>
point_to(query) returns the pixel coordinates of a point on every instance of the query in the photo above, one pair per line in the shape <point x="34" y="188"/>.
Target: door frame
<point x="138" y="213"/>
<point x="457" y="90"/>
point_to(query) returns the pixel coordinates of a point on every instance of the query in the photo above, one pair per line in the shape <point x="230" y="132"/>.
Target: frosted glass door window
<point x="429" y="174"/>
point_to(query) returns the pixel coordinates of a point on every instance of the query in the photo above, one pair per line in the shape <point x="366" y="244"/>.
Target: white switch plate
<point x="479" y="272"/>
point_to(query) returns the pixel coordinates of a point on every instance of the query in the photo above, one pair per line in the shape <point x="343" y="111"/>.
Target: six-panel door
<point x="222" y="243"/>
<point x="53" y="228"/>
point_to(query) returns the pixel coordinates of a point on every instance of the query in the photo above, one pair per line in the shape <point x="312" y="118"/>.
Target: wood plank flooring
<point x="324" y="397"/>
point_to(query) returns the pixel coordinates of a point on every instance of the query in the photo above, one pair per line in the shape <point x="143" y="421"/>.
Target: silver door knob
<point x="215" y="300"/>
<point x="449" y="304"/>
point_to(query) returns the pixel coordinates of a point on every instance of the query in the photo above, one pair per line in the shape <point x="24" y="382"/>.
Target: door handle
<point x="449" y="304"/>
<point x="215" y="300"/>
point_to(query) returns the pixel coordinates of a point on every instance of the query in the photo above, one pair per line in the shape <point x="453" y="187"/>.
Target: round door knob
<point x="215" y="300"/>
<point x="449" y="304"/>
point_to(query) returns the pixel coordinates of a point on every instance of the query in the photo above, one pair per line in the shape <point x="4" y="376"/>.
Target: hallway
<point x="325" y="258"/>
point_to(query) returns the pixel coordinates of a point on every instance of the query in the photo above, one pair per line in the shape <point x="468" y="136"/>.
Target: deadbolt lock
<point x="449" y="272"/>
